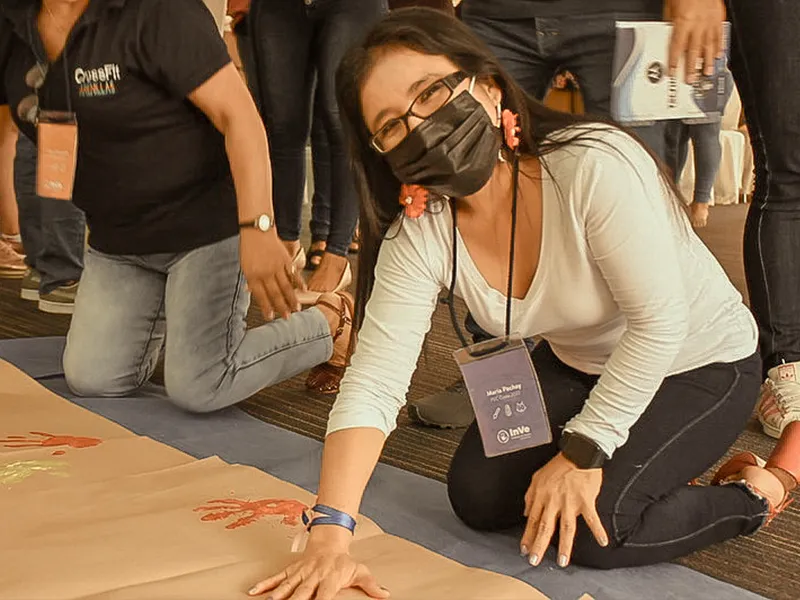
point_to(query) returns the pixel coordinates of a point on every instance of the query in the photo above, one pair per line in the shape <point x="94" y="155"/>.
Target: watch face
<point x="263" y="222"/>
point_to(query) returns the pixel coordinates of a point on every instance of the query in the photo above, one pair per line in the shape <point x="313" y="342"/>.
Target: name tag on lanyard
<point x="57" y="134"/>
<point x="505" y="393"/>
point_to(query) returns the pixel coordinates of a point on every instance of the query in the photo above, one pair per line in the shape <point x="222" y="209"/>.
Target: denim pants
<point x="707" y="154"/>
<point x="321" y="160"/>
<point x="53" y="231"/>
<point x="765" y="60"/>
<point x="295" y="45"/>
<point x="646" y="506"/>
<point x="533" y="50"/>
<point x="192" y="304"/>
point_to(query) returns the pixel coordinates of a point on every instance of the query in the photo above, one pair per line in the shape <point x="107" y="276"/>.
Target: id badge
<point x="505" y="394"/>
<point x="58" y="154"/>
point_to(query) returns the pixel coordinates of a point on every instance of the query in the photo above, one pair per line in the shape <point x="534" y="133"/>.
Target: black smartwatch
<point x="581" y="451"/>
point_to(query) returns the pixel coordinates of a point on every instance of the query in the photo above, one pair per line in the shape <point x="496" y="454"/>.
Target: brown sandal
<point x="730" y="472"/>
<point x="325" y="378"/>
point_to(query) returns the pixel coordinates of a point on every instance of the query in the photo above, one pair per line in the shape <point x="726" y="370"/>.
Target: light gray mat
<point x="402" y="503"/>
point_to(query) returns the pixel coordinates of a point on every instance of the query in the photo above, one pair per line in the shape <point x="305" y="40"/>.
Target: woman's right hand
<point x="319" y="575"/>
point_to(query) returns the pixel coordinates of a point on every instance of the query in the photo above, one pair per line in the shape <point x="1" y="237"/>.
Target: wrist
<point x="329" y="537"/>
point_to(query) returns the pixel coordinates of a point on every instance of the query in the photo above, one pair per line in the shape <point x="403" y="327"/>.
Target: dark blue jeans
<point x="295" y="45"/>
<point x="707" y="154"/>
<point x="321" y="160"/>
<point x="765" y="60"/>
<point x="533" y="50"/>
<point x="53" y="231"/>
<point x="321" y="167"/>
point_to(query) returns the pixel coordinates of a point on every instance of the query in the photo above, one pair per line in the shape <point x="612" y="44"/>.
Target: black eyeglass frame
<point x="452" y="81"/>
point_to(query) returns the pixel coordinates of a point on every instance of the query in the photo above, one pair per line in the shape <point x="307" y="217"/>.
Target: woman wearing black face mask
<point x="647" y="369"/>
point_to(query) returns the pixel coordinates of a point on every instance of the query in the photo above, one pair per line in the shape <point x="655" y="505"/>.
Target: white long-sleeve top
<point x="624" y="289"/>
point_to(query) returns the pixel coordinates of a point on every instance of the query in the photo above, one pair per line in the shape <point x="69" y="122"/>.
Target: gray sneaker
<point x="30" y="285"/>
<point x="450" y="409"/>
<point x="61" y="301"/>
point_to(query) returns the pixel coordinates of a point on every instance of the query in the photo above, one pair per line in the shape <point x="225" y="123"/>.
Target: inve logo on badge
<point x="515" y="433"/>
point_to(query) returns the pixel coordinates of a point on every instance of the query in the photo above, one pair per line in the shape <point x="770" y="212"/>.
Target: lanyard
<point x="38" y="51"/>
<point x="451" y="292"/>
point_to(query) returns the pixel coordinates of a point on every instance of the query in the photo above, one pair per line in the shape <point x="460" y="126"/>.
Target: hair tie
<point x="511" y="129"/>
<point x="414" y="198"/>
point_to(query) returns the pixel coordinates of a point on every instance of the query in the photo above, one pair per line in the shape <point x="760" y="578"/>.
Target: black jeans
<point x="295" y="44"/>
<point x="765" y="60"/>
<point x="53" y="231"/>
<point x="321" y="168"/>
<point x="533" y="50"/>
<point x="649" y="511"/>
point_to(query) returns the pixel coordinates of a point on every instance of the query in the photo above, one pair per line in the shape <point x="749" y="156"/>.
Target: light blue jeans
<point x="194" y="305"/>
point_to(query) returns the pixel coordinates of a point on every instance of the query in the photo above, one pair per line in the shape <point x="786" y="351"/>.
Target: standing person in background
<point x="321" y="199"/>
<point x="296" y="43"/>
<point x="534" y="40"/>
<point x="764" y="60"/>
<point x="704" y="134"/>
<point x="707" y="155"/>
<point x="12" y="261"/>
<point x="54" y="236"/>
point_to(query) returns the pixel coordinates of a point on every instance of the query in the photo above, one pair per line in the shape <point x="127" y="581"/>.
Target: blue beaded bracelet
<point x="331" y="516"/>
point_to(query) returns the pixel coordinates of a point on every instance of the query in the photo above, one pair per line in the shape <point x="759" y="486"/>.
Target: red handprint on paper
<point x="49" y="440"/>
<point x="248" y="512"/>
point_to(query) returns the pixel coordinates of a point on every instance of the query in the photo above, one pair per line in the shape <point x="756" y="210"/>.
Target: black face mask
<point x="453" y="152"/>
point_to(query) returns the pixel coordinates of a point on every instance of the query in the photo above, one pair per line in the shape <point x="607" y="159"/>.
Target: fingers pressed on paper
<point x="328" y="588"/>
<point x="286" y="590"/>
<point x="369" y="584"/>
<point x="305" y="591"/>
<point x="268" y="584"/>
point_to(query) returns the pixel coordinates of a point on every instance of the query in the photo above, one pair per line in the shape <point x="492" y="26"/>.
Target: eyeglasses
<point x="431" y="99"/>
<point x="28" y="107"/>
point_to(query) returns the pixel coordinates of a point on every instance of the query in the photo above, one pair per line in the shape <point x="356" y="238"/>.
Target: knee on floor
<point x="90" y="379"/>
<point x="191" y="394"/>
<point x="480" y="505"/>
<point x="586" y="552"/>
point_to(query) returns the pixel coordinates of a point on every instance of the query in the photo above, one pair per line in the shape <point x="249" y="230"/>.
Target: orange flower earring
<point x="511" y="129"/>
<point x="414" y="198"/>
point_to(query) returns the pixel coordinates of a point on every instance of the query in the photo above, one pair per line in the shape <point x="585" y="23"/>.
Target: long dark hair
<point x="434" y="33"/>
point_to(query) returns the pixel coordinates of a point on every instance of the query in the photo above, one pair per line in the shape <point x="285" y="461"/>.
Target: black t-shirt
<point x="153" y="174"/>
<point x="530" y="9"/>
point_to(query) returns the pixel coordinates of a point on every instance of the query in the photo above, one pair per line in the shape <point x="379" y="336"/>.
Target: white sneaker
<point x="779" y="404"/>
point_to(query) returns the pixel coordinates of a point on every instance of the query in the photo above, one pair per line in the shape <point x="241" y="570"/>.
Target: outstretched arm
<point x="397" y="318"/>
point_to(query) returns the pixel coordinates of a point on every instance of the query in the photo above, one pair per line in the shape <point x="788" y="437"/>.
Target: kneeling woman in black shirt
<point x="173" y="175"/>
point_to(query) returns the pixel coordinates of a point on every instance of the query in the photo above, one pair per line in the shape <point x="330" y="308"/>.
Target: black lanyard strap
<point x="509" y="293"/>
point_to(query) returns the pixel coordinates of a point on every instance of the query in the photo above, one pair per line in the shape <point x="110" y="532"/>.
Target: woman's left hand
<point x="561" y="492"/>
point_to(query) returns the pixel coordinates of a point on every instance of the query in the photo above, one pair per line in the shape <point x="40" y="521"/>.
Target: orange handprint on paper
<point x="248" y="512"/>
<point x="49" y="440"/>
